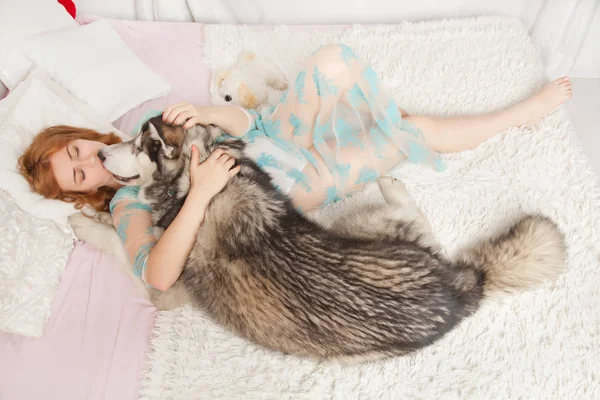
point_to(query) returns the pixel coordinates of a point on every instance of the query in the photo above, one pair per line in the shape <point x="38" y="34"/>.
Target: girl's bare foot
<point x="532" y="110"/>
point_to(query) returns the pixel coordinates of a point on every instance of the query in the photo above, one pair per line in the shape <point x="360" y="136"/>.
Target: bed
<point x="103" y="340"/>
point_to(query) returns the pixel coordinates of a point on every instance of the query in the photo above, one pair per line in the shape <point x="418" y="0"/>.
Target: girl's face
<point x="77" y="167"/>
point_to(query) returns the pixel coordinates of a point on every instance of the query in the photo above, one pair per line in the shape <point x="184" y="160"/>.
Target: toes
<point x="566" y="87"/>
<point x="561" y="81"/>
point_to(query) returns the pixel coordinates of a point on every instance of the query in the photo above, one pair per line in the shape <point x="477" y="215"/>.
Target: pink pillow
<point x="174" y="51"/>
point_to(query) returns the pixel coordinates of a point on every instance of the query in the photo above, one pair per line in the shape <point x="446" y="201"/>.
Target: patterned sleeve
<point x="133" y="222"/>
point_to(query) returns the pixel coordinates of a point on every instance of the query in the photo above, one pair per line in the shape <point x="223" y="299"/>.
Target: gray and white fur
<point x="374" y="285"/>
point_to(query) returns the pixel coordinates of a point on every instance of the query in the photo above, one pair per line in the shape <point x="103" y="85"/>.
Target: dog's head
<point x="156" y="146"/>
<point x="158" y="151"/>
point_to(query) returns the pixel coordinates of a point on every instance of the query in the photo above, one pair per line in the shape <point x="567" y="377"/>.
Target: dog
<point x="374" y="285"/>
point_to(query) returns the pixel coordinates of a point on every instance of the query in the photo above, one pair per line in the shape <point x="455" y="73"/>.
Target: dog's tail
<point x="532" y="251"/>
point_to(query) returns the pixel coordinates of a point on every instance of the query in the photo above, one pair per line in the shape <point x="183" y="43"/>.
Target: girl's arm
<point x="160" y="264"/>
<point x="167" y="258"/>
<point x="232" y="119"/>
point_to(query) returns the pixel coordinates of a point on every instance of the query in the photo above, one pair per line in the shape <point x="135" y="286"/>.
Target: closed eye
<point x="81" y="176"/>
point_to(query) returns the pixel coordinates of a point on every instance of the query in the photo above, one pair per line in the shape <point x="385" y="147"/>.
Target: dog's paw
<point x="104" y="218"/>
<point x="104" y="237"/>
<point x="80" y="224"/>
<point x="393" y="190"/>
<point x="98" y="234"/>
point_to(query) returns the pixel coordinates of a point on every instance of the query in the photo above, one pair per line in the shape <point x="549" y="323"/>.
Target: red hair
<point x="35" y="166"/>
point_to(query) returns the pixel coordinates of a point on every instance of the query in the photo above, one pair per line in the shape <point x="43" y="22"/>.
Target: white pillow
<point x="22" y="18"/>
<point x="96" y="66"/>
<point x="33" y="105"/>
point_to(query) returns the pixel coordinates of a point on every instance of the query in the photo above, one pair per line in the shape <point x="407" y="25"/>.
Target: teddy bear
<point x="251" y="83"/>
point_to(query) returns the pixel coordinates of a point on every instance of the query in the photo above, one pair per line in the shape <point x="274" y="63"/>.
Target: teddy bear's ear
<point x="246" y="55"/>
<point x="221" y="76"/>
<point x="277" y="83"/>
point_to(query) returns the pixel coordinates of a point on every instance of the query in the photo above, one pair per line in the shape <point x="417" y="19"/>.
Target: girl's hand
<point x="186" y="114"/>
<point x="211" y="176"/>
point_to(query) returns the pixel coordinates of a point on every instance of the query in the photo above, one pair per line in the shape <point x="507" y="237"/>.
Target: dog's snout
<point x="101" y="156"/>
<point x="228" y="98"/>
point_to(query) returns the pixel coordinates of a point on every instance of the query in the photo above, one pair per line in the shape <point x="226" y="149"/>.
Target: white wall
<point x="119" y="9"/>
<point x="316" y="11"/>
<point x="385" y="11"/>
<point x="588" y="62"/>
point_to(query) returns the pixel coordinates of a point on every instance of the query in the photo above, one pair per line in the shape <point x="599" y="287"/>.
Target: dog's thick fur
<point x="374" y="285"/>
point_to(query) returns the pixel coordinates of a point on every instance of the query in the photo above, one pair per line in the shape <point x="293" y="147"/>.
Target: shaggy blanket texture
<point x="541" y="344"/>
<point x="33" y="256"/>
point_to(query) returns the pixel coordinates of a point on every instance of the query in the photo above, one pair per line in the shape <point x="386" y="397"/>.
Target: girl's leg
<point x="322" y="188"/>
<point x="445" y="135"/>
<point x="454" y="134"/>
<point x="313" y="94"/>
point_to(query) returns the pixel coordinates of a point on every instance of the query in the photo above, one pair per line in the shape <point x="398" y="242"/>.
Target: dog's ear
<point x="214" y="132"/>
<point x="170" y="136"/>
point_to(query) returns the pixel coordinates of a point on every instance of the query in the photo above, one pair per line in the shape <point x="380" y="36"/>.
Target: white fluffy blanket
<point x="33" y="256"/>
<point x="542" y="344"/>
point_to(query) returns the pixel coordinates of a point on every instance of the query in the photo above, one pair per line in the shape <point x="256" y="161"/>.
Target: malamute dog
<point x="374" y="285"/>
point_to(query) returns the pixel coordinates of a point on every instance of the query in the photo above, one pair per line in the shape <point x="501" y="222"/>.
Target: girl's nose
<point x="91" y="160"/>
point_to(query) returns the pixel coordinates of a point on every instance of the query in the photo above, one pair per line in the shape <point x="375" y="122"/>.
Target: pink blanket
<point x="95" y="342"/>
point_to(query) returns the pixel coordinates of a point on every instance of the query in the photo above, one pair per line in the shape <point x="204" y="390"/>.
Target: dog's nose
<point x="101" y="156"/>
<point x="228" y="98"/>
